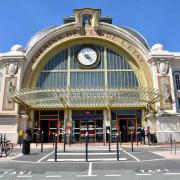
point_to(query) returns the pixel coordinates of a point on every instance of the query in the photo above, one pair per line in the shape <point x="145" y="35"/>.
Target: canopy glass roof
<point x="85" y="98"/>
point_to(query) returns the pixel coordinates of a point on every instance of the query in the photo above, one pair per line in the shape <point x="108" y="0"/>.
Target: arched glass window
<point x="177" y="80"/>
<point x="113" y="71"/>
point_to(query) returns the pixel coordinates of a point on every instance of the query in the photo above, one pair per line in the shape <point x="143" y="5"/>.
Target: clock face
<point x="87" y="57"/>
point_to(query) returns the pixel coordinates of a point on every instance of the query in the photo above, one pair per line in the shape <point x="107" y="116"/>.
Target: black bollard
<point x="132" y="141"/>
<point x="37" y="139"/>
<point x="120" y="138"/>
<point x="154" y="139"/>
<point x="20" y="139"/>
<point x="117" y="145"/>
<point x="1" y="143"/>
<point x="86" y="146"/>
<point x="171" y="142"/>
<point x="4" y="138"/>
<point x="53" y="138"/>
<point x="42" y="141"/>
<point x="137" y="139"/>
<point x="109" y="141"/>
<point x="64" y="142"/>
<point x="174" y="147"/>
<point x="55" y="151"/>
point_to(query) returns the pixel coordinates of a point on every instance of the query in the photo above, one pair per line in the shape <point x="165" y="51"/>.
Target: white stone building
<point x="89" y="75"/>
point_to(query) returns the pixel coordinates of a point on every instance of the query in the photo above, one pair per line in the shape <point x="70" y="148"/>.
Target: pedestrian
<point x="148" y="134"/>
<point x="143" y="136"/>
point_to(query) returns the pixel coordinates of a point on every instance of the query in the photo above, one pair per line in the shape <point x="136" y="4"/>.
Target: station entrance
<point x="124" y="122"/>
<point x="50" y="122"/>
<point x="90" y="122"/>
<point x="87" y="121"/>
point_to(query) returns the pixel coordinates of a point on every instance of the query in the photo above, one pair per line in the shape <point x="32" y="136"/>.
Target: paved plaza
<point x="145" y="162"/>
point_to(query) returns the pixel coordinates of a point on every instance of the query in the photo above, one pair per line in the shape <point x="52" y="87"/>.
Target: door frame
<point x="127" y="117"/>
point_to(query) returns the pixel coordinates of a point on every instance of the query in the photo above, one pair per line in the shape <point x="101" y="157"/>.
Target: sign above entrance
<point x="86" y="98"/>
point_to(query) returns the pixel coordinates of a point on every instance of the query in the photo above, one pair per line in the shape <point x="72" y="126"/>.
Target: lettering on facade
<point x="165" y="88"/>
<point x="91" y="32"/>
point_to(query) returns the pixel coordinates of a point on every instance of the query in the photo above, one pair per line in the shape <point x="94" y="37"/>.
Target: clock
<point x="88" y="56"/>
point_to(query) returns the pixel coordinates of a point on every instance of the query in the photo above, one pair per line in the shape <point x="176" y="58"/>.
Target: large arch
<point x="139" y="65"/>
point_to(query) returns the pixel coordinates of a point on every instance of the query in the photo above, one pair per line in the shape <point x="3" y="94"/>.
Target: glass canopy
<point x="85" y="98"/>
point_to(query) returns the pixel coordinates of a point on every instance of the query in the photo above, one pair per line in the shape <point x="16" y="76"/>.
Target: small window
<point x="178" y="103"/>
<point x="177" y="80"/>
<point x="86" y="19"/>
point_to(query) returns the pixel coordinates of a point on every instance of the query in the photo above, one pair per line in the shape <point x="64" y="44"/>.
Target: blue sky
<point x="157" y="20"/>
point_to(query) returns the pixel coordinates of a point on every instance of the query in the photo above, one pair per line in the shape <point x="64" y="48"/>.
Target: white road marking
<point x="85" y="175"/>
<point x="53" y="176"/>
<point x="83" y="160"/>
<point x="143" y="174"/>
<point x="153" y="160"/>
<point x="172" y="173"/>
<point x="23" y="176"/>
<point x="90" y="169"/>
<point x="1" y="176"/>
<point x="88" y="153"/>
<point x="131" y="155"/>
<point x="113" y="175"/>
<point x="44" y="157"/>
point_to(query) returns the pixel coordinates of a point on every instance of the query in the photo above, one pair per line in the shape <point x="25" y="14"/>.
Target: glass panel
<point x="58" y="62"/>
<point x="116" y="61"/>
<point x="53" y="79"/>
<point x="122" y="79"/>
<point x="87" y="79"/>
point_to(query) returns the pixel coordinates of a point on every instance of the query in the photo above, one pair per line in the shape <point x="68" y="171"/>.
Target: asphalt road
<point x="140" y="164"/>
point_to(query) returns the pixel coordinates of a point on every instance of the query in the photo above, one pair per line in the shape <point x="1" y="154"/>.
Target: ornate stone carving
<point x="163" y="66"/>
<point x="12" y="69"/>
<point x="165" y="87"/>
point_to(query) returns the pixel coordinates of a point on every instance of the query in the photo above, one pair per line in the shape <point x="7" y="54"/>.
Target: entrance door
<point x="122" y="127"/>
<point x="91" y="123"/>
<point x="51" y="123"/>
<point x="49" y="128"/>
<point x="126" y="124"/>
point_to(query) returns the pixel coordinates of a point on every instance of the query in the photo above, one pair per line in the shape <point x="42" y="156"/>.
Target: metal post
<point x="55" y="151"/>
<point x="117" y="145"/>
<point x="4" y="138"/>
<point x="53" y="138"/>
<point x="64" y="142"/>
<point x="174" y="146"/>
<point x="37" y="139"/>
<point x="20" y="140"/>
<point x="171" y="142"/>
<point x="154" y="139"/>
<point x="137" y="139"/>
<point x="42" y="141"/>
<point x="1" y="144"/>
<point x="86" y="146"/>
<point x="132" y="140"/>
<point x="109" y="137"/>
<point x="120" y="138"/>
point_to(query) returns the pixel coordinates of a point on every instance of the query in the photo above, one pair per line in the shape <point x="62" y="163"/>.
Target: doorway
<point x="124" y="124"/>
<point x="51" y="123"/>
<point x="90" y="122"/>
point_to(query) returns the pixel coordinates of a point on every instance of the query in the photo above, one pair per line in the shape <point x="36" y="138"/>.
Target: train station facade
<point x="89" y="75"/>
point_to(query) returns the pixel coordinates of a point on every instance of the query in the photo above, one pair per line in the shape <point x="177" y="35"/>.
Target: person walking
<point x="148" y="134"/>
<point x="143" y="136"/>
